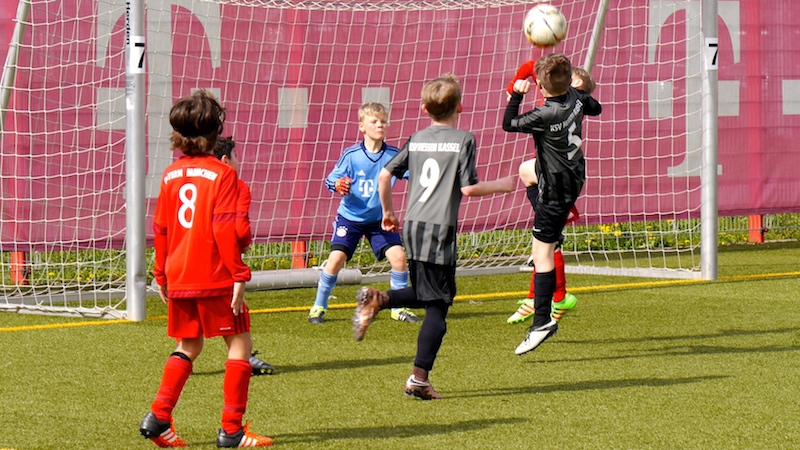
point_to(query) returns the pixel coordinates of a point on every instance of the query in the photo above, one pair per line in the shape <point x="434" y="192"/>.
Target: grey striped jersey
<point x="557" y="130"/>
<point x="440" y="160"/>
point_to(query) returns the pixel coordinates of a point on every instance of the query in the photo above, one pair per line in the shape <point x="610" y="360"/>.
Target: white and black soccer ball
<point x="544" y="25"/>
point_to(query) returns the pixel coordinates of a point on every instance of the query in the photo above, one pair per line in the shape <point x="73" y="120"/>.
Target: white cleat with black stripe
<point x="536" y="336"/>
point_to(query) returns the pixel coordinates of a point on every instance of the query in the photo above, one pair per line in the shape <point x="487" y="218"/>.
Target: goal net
<point x="292" y="75"/>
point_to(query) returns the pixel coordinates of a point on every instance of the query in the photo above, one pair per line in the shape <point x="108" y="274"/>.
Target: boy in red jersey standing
<point x="200" y="273"/>
<point x="224" y="151"/>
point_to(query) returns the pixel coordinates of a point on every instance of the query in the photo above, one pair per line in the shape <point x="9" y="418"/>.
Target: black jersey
<point x="440" y="160"/>
<point x="556" y="127"/>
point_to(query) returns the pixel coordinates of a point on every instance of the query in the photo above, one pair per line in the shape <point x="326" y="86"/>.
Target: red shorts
<point x="205" y="316"/>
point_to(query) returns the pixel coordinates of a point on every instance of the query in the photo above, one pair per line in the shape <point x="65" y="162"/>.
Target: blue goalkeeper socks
<point x="398" y="280"/>
<point x="324" y="288"/>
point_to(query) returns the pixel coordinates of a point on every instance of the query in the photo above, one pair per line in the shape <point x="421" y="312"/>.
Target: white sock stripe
<point x="169" y="435"/>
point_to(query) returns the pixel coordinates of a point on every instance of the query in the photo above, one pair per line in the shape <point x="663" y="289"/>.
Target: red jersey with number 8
<point x="197" y="253"/>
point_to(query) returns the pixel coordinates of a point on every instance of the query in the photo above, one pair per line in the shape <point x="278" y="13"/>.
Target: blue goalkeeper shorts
<point x="347" y="235"/>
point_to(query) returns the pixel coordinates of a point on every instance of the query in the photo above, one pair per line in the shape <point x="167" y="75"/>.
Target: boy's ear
<point x="424" y="109"/>
<point x="226" y="159"/>
<point x="459" y="108"/>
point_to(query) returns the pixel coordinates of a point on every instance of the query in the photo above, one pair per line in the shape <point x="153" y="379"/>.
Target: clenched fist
<point x="342" y="185"/>
<point x="524" y="72"/>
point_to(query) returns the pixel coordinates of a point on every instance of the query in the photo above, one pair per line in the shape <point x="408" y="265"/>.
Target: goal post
<point x="135" y="145"/>
<point x="86" y="132"/>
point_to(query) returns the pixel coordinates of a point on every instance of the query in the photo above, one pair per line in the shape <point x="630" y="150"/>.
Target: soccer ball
<point x="544" y="25"/>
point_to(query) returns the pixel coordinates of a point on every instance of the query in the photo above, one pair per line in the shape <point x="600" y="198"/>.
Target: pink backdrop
<point x="57" y="165"/>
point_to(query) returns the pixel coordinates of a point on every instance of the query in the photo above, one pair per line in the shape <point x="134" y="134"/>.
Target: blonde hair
<point x="373" y="109"/>
<point x="442" y="96"/>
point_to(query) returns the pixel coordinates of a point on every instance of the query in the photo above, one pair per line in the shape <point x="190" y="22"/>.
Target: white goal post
<point x="87" y="87"/>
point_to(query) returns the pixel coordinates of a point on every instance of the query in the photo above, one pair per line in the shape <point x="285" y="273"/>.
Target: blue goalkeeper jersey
<point x="362" y="204"/>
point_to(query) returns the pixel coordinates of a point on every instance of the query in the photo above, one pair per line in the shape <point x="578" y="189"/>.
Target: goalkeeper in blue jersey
<point x="355" y="178"/>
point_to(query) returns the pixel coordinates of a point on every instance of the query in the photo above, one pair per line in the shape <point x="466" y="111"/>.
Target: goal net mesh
<point x="292" y="75"/>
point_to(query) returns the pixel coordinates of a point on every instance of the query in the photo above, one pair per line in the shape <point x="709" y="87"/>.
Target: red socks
<point x="235" y="387"/>
<point x="561" y="278"/>
<point x="176" y="372"/>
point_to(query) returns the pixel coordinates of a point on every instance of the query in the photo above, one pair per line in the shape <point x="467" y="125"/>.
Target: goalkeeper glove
<point x="342" y="185"/>
<point x="524" y="71"/>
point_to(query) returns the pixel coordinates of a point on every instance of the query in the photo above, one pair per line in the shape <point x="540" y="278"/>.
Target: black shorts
<point x="432" y="281"/>
<point x="549" y="222"/>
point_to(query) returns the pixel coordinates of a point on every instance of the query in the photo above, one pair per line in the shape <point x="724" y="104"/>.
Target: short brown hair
<point x="442" y="96"/>
<point x="196" y="123"/>
<point x="224" y="147"/>
<point x="554" y="72"/>
<point x="588" y="83"/>
<point x="373" y="109"/>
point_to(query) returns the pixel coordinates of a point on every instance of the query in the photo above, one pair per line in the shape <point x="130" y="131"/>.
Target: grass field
<point x="640" y="364"/>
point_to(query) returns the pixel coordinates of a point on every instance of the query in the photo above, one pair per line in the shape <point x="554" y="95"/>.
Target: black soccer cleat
<point x="160" y="433"/>
<point x="260" y="367"/>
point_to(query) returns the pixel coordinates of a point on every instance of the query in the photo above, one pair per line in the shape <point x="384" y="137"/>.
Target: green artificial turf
<point x="651" y="365"/>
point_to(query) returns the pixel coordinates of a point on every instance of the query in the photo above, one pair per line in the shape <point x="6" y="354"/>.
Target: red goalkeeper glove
<point x="524" y="71"/>
<point x="342" y="185"/>
<point x="573" y="215"/>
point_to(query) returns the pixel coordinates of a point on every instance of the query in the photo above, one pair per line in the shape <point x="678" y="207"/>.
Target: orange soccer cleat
<point x="243" y="439"/>
<point x="161" y="433"/>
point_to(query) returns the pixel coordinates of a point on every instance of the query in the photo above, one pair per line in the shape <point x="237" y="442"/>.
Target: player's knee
<point x="336" y="262"/>
<point x="182" y="356"/>
<point x="397" y="258"/>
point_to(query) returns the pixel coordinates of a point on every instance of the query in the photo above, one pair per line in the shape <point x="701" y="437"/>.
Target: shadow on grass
<point x="584" y="386"/>
<point x="391" y="432"/>
<point x="680" y="350"/>
<point x="345" y="364"/>
<point x="719" y="334"/>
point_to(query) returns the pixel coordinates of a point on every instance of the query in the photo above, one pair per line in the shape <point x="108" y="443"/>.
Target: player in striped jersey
<point x="441" y="164"/>
<point x="560" y="171"/>
<point x="563" y="301"/>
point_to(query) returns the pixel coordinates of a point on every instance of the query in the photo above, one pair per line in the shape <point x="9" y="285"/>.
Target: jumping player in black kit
<point x="441" y="164"/>
<point x="560" y="170"/>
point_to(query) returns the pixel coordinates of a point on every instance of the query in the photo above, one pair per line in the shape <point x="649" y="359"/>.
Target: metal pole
<point x="136" y="277"/>
<point x="710" y="110"/>
<point x="10" y="67"/>
<point x="594" y="41"/>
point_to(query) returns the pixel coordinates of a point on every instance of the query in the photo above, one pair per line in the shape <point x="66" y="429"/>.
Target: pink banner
<point x="292" y="80"/>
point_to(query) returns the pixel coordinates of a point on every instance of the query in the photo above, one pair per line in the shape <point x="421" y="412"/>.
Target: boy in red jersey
<point x="200" y="273"/>
<point x="224" y="151"/>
